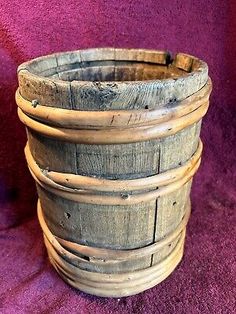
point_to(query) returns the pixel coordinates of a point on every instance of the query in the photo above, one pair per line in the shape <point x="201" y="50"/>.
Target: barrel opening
<point x="102" y="65"/>
<point x="120" y="71"/>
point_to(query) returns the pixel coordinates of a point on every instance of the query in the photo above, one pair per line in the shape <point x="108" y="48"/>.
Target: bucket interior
<point x="71" y="67"/>
<point x="121" y="71"/>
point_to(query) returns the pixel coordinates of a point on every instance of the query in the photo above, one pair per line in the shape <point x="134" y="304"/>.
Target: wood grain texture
<point x="137" y="160"/>
<point x="108" y="226"/>
<point x="112" y="119"/>
<point x="117" y="93"/>
<point x="115" y="136"/>
<point x="174" y="151"/>
<point x="122" y="227"/>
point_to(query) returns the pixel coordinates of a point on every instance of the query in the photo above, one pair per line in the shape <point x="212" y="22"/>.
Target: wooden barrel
<point x="113" y="144"/>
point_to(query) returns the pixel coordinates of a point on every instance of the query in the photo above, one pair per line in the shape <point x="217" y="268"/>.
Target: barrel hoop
<point x="142" y="280"/>
<point x="67" y="249"/>
<point x="77" y="119"/>
<point x="64" y="181"/>
<point x="150" y="129"/>
<point x="115" y="136"/>
<point x="88" y="190"/>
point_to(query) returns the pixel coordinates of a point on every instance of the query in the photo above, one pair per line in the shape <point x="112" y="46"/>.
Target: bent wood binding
<point x="113" y="119"/>
<point x="120" y="136"/>
<point x="85" y="196"/>
<point x="107" y="255"/>
<point x="67" y="181"/>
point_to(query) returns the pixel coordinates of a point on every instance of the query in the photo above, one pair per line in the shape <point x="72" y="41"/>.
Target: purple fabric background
<point x="205" y="280"/>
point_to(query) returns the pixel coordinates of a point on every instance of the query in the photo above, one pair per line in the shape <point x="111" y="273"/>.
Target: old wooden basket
<point x="113" y="144"/>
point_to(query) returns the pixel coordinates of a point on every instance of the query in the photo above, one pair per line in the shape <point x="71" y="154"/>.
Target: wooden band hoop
<point x="107" y="256"/>
<point x="98" y="127"/>
<point x="126" y="286"/>
<point x="83" y="189"/>
<point x="68" y="118"/>
<point x="70" y="266"/>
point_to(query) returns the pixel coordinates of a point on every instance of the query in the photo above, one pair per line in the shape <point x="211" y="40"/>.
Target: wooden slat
<point x="174" y="151"/>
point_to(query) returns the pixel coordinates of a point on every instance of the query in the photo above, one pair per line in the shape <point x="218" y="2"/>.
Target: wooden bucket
<point x="113" y="144"/>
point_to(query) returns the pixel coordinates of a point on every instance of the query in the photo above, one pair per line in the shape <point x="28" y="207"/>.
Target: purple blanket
<point x="205" y="281"/>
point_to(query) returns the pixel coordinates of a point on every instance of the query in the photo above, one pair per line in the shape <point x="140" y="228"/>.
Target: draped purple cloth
<point x="205" y="281"/>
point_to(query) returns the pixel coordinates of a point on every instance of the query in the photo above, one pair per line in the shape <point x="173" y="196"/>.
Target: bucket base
<point x="116" y="285"/>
